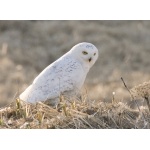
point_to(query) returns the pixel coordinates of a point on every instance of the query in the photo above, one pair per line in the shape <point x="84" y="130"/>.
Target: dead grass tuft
<point x="142" y="91"/>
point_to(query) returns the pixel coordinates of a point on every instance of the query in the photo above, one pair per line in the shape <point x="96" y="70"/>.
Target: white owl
<point x="64" y="76"/>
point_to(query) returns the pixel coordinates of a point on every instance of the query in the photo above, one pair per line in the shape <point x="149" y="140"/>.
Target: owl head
<point x="86" y="53"/>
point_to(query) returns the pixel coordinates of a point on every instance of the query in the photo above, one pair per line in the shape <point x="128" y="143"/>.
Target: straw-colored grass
<point x="78" y="114"/>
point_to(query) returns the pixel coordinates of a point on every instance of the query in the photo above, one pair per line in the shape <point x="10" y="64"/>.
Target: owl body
<point x="65" y="75"/>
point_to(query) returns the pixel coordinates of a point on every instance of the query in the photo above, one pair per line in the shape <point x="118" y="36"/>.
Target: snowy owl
<point x="64" y="76"/>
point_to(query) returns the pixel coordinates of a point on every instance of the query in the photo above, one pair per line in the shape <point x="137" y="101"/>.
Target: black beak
<point x="90" y="59"/>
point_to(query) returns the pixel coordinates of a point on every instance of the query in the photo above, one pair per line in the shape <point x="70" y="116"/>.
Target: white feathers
<point x="65" y="75"/>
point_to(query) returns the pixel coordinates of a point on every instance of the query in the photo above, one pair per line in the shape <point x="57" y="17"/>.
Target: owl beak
<point x="90" y="59"/>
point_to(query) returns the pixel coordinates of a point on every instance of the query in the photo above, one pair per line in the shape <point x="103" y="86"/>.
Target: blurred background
<point x="27" y="47"/>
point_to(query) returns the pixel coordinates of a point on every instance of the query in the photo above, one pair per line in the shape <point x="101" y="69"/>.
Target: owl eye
<point x="94" y="54"/>
<point x="84" y="53"/>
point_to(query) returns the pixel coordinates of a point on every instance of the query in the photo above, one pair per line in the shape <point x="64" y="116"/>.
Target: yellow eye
<point x="84" y="53"/>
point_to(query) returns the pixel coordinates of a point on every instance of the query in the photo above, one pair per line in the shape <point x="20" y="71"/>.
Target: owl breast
<point x="69" y="76"/>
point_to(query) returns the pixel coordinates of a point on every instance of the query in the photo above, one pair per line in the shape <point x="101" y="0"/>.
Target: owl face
<point x="87" y="53"/>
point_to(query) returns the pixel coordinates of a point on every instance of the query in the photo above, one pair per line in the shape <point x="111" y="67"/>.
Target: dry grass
<point x="79" y="114"/>
<point x="142" y="91"/>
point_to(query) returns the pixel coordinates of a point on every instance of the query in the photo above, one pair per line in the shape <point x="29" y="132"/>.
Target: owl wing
<point x="65" y="74"/>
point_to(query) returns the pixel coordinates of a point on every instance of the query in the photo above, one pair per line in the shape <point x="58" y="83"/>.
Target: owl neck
<point x="84" y="65"/>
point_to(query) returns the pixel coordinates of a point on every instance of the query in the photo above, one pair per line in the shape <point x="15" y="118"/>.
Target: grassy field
<point x="27" y="47"/>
